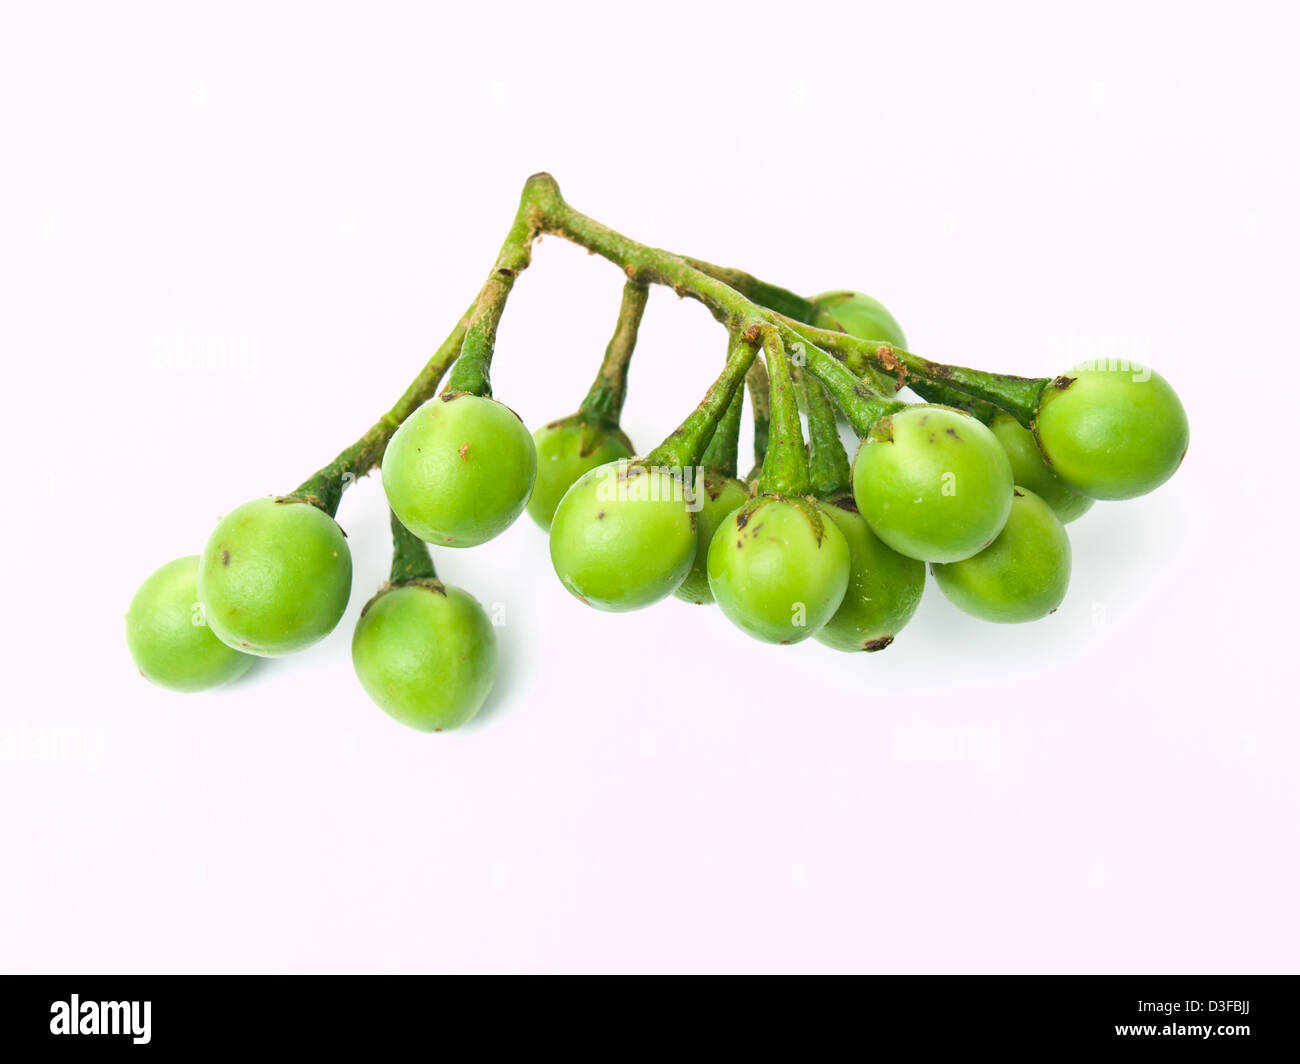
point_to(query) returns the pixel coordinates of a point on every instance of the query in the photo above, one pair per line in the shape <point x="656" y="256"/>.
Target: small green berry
<point x="933" y="483"/>
<point x="884" y="586"/>
<point x="1022" y="575"/>
<point x="779" y="568"/>
<point x="458" y="471"/>
<point x="169" y="639"/>
<point x="425" y="654"/>
<point x="623" y="537"/>
<point x="275" y="576"/>
<point x="1112" y="432"/>
<point x="718" y="496"/>
<point x="1029" y="470"/>
<point x="858" y="314"/>
<point x="565" y="451"/>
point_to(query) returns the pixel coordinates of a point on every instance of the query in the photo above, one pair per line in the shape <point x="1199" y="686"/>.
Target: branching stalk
<point x="325" y="487"/>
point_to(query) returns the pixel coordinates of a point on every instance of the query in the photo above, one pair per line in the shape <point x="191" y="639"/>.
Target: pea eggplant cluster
<point x="976" y="478"/>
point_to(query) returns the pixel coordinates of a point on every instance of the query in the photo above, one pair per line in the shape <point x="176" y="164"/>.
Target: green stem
<point x="549" y="213"/>
<point x="828" y="463"/>
<point x="604" y="401"/>
<point x="713" y="286"/>
<point x="756" y="384"/>
<point x="862" y="404"/>
<point x="758" y="291"/>
<point x="685" y="448"/>
<point x="471" y="372"/>
<point x="933" y="392"/>
<point x="1019" y="396"/>
<point x="640" y="263"/>
<point x="785" y="469"/>
<point x="325" y="487"/>
<point x="411" y="558"/>
<point x="720" y="456"/>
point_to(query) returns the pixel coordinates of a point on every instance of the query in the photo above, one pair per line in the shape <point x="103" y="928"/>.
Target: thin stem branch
<point x="471" y="372"/>
<point x="411" y="558"/>
<point x="720" y="456"/>
<point x="785" y="469"/>
<point x="604" y="401"/>
<point x="861" y="403"/>
<point x="685" y="447"/>
<point x="756" y="383"/>
<point x="828" y="463"/>
<point x="1019" y="396"/>
<point x="781" y="300"/>
<point x="325" y="487"/>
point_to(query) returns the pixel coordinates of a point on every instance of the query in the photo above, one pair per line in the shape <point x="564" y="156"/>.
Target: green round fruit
<point x="623" y="537"/>
<point x="779" y="568"/>
<point x="884" y="586"/>
<point x="458" y="471"/>
<point x="169" y="640"/>
<point x="1022" y="575"/>
<point x="1112" y="433"/>
<point x="858" y="314"/>
<point x="933" y="483"/>
<point x="426" y="654"/>
<point x="565" y="451"/>
<point x="1029" y="470"/>
<point x="274" y="577"/>
<point x="721" y="495"/>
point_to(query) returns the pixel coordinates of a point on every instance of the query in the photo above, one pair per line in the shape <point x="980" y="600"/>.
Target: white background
<point x="231" y="233"/>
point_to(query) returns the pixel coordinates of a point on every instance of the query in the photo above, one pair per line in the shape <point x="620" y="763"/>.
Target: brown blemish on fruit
<point x="463" y="452"/>
<point x="225" y="557"/>
<point x="243" y="644"/>
<point x="953" y="434"/>
<point x="600" y="516"/>
<point x="872" y="645"/>
<point x="845" y="502"/>
<point x="1063" y="382"/>
<point x="742" y="520"/>
<point x="785" y="642"/>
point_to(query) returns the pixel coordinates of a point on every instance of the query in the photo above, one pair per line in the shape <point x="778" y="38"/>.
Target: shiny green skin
<point x="858" y="314"/>
<point x="1029" y="470"/>
<point x="426" y="654"/>
<point x="168" y="639"/>
<point x="884" y="586"/>
<point x="933" y="483"/>
<point x="458" y="471"/>
<point x="772" y="557"/>
<point x="274" y="577"/>
<point x="565" y="451"/>
<point x="1022" y="575"/>
<point x="722" y="495"/>
<point x="622" y="537"/>
<point x="1110" y="436"/>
